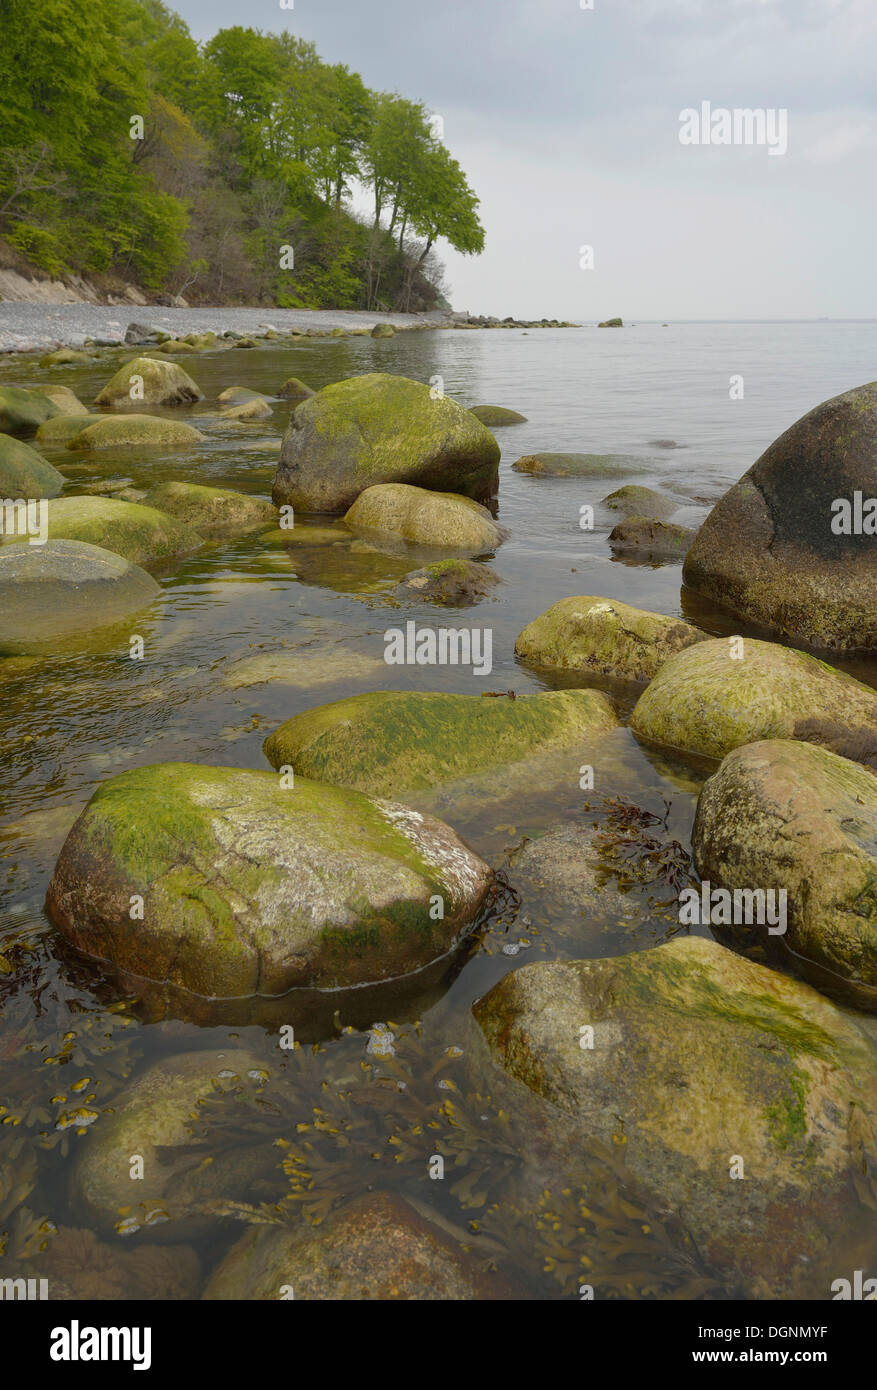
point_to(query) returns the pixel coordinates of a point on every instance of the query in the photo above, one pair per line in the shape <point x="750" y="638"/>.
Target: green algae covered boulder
<point x="25" y="473"/>
<point x="22" y="412"/>
<point x="604" y="636"/>
<point x="709" y="700"/>
<point x="611" y="323"/>
<point x="383" y="330"/>
<point x="154" y="1118"/>
<point x="792" y="816"/>
<point x="140" y="534"/>
<point x="388" y="740"/>
<point x="64" y="588"/>
<point x="253" y="884"/>
<point x="65" y="399"/>
<point x="420" y="517"/>
<point x="452" y="582"/>
<point x="146" y="381"/>
<point x="377" y="1247"/>
<point x="552" y="465"/>
<point x="741" y="1097"/>
<point x="126" y="431"/>
<point x="62" y="428"/>
<point x="211" y="511"/>
<point x="634" y="500"/>
<point x="239" y="395"/>
<point x="494" y="416"/>
<point x="67" y="356"/>
<point x="792" y="545"/>
<point x="381" y="429"/>
<point x="255" y="409"/>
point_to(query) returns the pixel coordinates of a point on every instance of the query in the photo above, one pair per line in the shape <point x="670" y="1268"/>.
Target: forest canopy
<point x="222" y="171"/>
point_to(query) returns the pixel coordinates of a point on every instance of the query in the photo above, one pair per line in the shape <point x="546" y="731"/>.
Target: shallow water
<point x="319" y="611"/>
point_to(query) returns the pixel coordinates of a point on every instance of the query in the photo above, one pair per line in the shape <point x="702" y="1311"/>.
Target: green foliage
<point x="248" y="143"/>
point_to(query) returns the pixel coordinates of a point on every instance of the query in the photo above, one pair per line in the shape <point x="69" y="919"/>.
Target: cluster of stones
<point x="328" y="871"/>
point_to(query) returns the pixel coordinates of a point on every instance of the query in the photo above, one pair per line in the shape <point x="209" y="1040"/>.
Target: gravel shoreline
<point x="28" y="327"/>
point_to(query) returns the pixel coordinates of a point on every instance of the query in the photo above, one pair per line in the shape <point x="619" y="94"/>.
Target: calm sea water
<point x="78" y="716"/>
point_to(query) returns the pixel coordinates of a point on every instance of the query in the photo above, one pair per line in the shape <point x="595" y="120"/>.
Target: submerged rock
<point x="706" y="1067"/>
<point x="66" y="357"/>
<point x="239" y="395"/>
<point x="420" y="517"/>
<point x="79" y="1265"/>
<point x="393" y="739"/>
<point x="22" y="412"/>
<point x="604" y="636"/>
<point x="146" y="381"/>
<point x="153" y="1120"/>
<point x="62" y="428"/>
<point x="250" y="886"/>
<point x="778" y="549"/>
<point x="52" y="591"/>
<point x="548" y="465"/>
<point x="124" y="431"/>
<point x="641" y="502"/>
<point x="24" y="473"/>
<point x="452" y="582"/>
<point x="706" y="700"/>
<point x="377" y="1247"/>
<point x="564" y="891"/>
<point x="255" y="409"/>
<point x="293" y="389"/>
<point x="657" y="540"/>
<point x="791" y="816"/>
<point x="140" y="534"/>
<point x="495" y="416"/>
<point x="65" y="400"/>
<point x="381" y="429"/>
<point x="211" y="511"/>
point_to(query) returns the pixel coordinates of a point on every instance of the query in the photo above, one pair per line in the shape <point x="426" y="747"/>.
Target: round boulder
<point x="24" y="473"/>
<point x="709" y="700"/>
<point x="792" y="545"/>
<point x="787" y="815"/>
<point x="391" y="739"/>
<point x="420" y="517"/>
<point x="52" y="591"/>
<point x="146" y="381"/>
<point x="381" y="429"/>
<point x="140" y="534"/>
<point x="249" y="883"/>
<point x="604" y="636"/>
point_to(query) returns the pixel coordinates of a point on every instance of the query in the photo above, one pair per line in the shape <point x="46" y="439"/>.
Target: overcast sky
<point x="567" y="121"/>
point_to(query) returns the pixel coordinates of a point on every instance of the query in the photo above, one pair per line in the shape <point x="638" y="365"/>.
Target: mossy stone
<point x="126" y="431"/>
<point x="495" y="416"/>
<point x="390" y="740"/>
<point x="701" y="1058"/>
<point x="793" y="816"/>
<point x="250" y="886"/>
<point x="421" y="517"/>
<point x="24" y="473"/>
<point x="549" y="465"/>
<point x="152" y="382"/>
<point x="140" y="534"/>
<point x="604" y="636"/>
<point x="638" y="501"/>
<point x="211" y="511"/>
<point x="381" y="429"/>
<point x="650" y="540"/>
<point x="717" y="696"/>
<point x="22" y="412"/>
